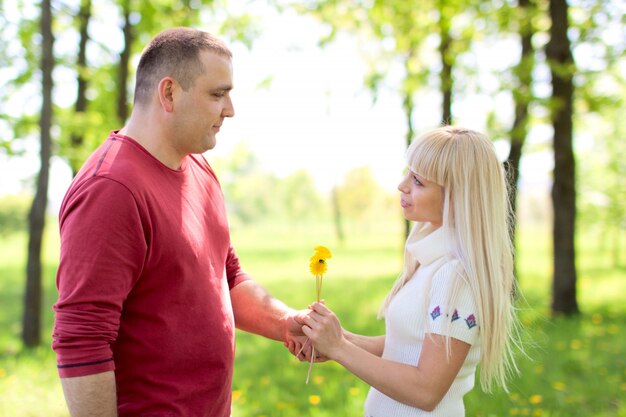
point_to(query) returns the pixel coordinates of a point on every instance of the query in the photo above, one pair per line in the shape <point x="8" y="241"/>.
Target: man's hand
<point x="296" y="341"/>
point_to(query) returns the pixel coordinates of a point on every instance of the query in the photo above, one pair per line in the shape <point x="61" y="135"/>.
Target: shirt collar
<point x="426" y="244"/>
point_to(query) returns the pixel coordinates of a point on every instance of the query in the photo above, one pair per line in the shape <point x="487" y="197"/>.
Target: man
<point x="150" y="287"/>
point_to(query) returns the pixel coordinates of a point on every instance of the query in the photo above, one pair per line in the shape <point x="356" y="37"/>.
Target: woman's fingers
<point x="321" y="309"/>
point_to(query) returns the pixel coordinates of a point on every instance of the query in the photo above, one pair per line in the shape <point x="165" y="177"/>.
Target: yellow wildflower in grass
<point x="314" y="399"/>
<point x="354" y="391"/>
<point x="613" y="329"/>
<point x="559" y="386"/>
<point x="538" y="412"/>
<point x="2" y="373"/>
<point x="575" y="344"/>
<point x="535" y="399"/>
<point x="317" y="380"/>
<point x="236" y="395"/>
<point x="283" y="405"/>
<point x="596" y="318"/>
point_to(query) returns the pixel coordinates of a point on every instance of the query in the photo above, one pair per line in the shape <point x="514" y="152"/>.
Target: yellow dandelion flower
<point x="236" y="395"/>
<point x="613" y="329"/>
<point x="514" y="411"/>
<point x="2" y="373"/>
<point x="538" y="412"/>
<point x="535" y="399"/>
<point x="318" y="266"/>
<point x="575" y="344"/>
<point x="596" y="318"/>
<point x="322" y="252"/>
<point x="354" y="391"/>
<point x="314" y="399"/>
<point x="559" y="386"/>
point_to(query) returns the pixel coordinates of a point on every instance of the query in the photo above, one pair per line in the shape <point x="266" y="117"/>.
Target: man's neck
<point x="150" y="134"/>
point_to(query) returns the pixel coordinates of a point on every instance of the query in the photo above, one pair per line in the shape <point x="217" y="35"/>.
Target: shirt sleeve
<point x="452" y="310"/>
<point x="234" y="273"/>
<point x="103" y="249"/>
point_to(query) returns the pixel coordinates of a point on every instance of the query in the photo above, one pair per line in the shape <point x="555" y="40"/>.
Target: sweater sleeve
<point x="452" y="310"/>
<point x="103" y="249"/>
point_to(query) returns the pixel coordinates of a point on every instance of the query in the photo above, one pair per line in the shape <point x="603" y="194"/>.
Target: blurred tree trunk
<point x="522" y="95"/>
<point x="408" y="105"/>
<point x="122" y="80"/>
<point x="80" y="107"/>
<point x="337" y="216"/>
<point x="561" y="63"/>
<point x="445" y="42"/>
<point x="36" y="219"/>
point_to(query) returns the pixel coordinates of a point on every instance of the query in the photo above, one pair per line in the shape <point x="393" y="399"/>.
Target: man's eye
<point x="417" y="181"/>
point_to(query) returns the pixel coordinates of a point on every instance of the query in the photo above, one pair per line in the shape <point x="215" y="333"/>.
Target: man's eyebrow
<point x="226" y="87"/>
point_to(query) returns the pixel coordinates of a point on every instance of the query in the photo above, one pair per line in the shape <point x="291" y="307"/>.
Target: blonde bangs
<point x="429" y="156"/>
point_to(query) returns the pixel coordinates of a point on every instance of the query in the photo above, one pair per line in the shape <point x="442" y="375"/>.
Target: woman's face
<point x="421" y="200"/>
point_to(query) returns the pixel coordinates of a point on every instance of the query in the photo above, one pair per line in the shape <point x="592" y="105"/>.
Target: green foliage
<point x="576" y="366"/>
<point x="361" y="198"/>
<point x="13" y="214"/>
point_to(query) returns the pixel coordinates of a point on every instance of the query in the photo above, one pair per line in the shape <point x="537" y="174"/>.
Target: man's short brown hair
<point x="174" y="52"/>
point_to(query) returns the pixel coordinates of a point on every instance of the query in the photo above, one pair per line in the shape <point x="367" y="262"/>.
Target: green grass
<point x="577" y="366"/>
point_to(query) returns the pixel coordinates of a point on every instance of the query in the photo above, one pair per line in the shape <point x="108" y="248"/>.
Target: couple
<point x="151" y="289"/>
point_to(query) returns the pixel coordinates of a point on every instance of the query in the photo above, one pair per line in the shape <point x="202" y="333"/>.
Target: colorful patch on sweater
<point x="471" y="321"/>
<point x="435" y="313"/>
<point x="455" y="315"/>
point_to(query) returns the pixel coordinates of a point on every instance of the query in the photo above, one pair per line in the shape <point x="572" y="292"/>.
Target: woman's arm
<point x="372" y="344"/>
<point x="422" y="386"/>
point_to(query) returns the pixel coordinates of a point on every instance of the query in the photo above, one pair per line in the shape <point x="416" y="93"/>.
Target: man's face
<point x="200" y="111"/>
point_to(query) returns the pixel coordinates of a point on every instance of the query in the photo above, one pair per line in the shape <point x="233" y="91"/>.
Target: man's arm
<point x="91" y="395"/>
<point x="256" y="311"/>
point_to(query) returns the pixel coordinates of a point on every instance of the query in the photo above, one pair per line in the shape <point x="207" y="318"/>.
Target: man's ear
<point x="165" y="90"/>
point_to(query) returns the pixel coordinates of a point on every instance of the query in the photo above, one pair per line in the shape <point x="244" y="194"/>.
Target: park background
<point x="327" y="94"/>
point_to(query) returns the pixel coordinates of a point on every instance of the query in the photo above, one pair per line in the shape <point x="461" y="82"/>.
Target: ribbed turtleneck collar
<point x="426" y="244"/>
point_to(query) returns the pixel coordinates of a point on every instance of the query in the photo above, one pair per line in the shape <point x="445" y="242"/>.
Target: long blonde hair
<point x="476" y="222"/>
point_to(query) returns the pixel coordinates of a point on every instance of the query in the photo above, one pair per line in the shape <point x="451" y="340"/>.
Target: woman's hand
<point x="322" y="326"/>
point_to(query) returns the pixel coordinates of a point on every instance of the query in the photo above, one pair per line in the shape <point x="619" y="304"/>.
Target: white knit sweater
<point x="421" y="307"/>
